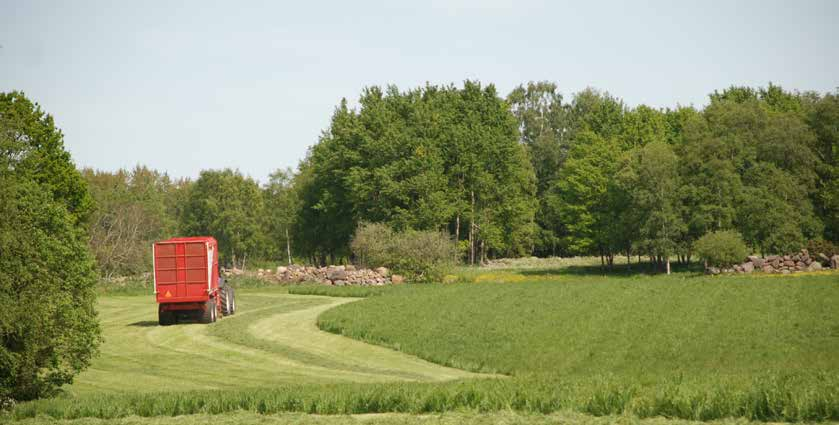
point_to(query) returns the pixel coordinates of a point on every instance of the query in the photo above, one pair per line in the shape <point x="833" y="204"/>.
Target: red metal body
<point x="186" y="273"/>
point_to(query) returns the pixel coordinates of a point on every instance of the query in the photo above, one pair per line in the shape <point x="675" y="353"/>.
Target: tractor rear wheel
<point x="209" y="315"/>
<point x="165" y="318"/>
<point x="226" y="301"/>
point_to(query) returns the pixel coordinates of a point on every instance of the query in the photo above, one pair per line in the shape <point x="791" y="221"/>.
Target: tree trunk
<point x="472" y="232"/>
<point x="471" y="243"/>
<point x="288" y="246"/>
<point x="668" y="265"/>
<point x="457" y="238"/>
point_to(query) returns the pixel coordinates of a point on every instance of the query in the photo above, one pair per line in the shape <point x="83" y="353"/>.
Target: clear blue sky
<point x="182" y="86"/>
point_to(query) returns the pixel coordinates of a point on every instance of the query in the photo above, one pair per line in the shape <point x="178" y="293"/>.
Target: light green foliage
<point x="48" y="326"/>
<point x="652" y="180"/>
<point x="132" y="210"/>
<point x="598" y="112"/>
<point x="543" y="124"/>
<point x="228" y="206"/>
<point x="772" y="97"/>
<point x="421" y="255"/>
<point x="585" y="198"/>
<point x="281" y="209"/>
<point x="643" y="125"/>
<point x="721" y="249"/>
<point x="371" y="244"/>
<point x="545" y="127"/>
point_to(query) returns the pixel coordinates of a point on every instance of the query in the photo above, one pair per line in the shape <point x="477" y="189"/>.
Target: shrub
<point x="372" y="243"/>
<point x="721" y="249"/>
<point x="421" y="255"/>
<point x="816" y="247"/>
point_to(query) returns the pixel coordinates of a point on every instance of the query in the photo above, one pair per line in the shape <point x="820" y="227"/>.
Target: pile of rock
<point x="332" y="275"/>
<point x="800" y="261"/>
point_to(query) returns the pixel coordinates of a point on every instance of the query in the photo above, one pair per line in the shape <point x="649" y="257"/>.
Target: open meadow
<point x="502" y="345"/>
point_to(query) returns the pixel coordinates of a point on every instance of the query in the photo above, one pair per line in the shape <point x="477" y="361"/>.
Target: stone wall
<point x="797" y="262"/>
<point x="332" y="275"/>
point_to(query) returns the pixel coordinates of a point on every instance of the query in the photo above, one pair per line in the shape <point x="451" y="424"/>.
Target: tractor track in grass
<point x="273" y="339"/>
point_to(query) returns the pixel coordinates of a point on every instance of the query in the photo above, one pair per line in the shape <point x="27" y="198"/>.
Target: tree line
<point x="532" y="173"/>
<point x="529" y="173"/>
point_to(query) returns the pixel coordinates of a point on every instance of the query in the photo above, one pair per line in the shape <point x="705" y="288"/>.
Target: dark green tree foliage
<point x="430" y="158"/>
<point x="749" y="164"/>
<point x="34" y="148"/>
<point x="228" y="206"/>
<point x="48" y="326"/>
<point x="823" y="118"/>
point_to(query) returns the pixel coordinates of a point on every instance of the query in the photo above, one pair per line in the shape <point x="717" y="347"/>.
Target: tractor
<point x="187" y="284"/>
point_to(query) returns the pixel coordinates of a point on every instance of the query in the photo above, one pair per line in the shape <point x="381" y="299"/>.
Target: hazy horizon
<point x="190" y="86"/>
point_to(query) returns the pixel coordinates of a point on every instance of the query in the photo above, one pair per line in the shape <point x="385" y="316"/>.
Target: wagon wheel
<point x="209" y="314"/>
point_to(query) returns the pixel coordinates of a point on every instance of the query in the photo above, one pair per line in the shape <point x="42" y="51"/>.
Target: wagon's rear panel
<point x="183" y="271"/>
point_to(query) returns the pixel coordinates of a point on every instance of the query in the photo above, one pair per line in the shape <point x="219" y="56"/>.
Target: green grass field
<point x="641" y="328"/>
<point x="508" y="346"/>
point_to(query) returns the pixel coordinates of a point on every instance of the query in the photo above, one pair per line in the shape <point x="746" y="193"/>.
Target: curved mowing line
<point x="297" y="330"/>
<point x="272" y="340"/>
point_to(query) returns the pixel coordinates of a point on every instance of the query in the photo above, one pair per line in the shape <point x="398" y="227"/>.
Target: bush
<point x="421" y="255"/>
<point x="816" y="247"/>
<point x="721" y="249"/>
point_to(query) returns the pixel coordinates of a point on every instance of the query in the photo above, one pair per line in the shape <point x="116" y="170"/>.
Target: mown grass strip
<point x="341" y="291"/>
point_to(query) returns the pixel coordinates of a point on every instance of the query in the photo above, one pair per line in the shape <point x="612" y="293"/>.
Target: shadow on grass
<point x="144" y="324"/>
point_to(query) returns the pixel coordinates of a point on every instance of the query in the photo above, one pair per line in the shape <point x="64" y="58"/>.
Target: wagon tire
<point x="165" y="318"/>
<point x="209" y="314"/>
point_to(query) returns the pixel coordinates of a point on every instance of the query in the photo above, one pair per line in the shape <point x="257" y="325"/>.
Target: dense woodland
<point x="534" y="173"/>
